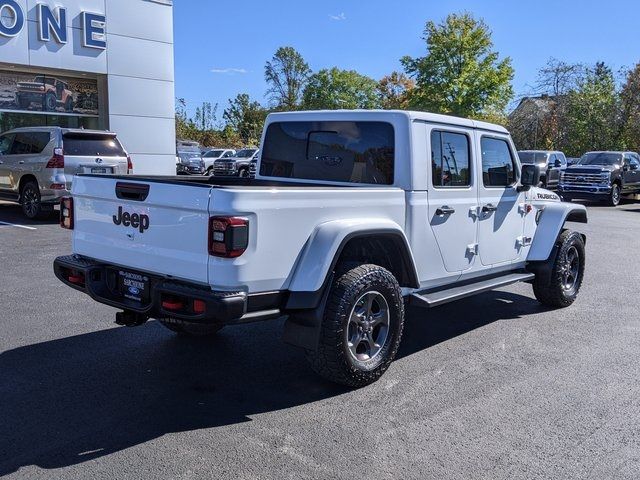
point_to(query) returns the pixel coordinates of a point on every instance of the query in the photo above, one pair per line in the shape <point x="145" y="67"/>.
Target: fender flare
<point x="314" y="269"/>
<point x="552" y="219"/>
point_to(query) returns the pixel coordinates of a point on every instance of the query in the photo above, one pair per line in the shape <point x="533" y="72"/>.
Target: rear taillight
<point x="129" y="165"/>
<point x="66" y="213"/>
<point x="228" y="236"/>
<point x="57" y="161"/>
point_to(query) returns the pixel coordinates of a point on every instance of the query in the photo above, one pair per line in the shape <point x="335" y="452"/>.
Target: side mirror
<point x="625" y="168"/>
<point x="634" y="166"/>
<point x="529" y="177"/>
<point x="557" y="163"/>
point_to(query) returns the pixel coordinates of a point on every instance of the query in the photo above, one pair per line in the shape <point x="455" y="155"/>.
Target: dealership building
<point x="99" y="64"/>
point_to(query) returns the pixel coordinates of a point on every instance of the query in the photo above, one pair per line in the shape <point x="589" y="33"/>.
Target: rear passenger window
<point x="450" y="159"/>
<point x="339" y="151"/>
<point x="498" y="168"/>
<point x="26" y="143"/>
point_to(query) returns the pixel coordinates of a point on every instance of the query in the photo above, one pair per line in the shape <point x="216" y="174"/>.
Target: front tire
<point x="190" y="329"/>
<point x="361" y="327"/>
<point x="614" y="197"/>
<point x="243" y="173"/>
<point x="50" y="102"/>
<point x="561" y="288"/>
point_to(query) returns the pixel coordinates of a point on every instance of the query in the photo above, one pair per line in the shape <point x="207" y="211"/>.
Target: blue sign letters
<point x="52" y="24"/>
<point x="95" y="35"/>
<point x="11" y="18"/>
<point x="48" y="23"/>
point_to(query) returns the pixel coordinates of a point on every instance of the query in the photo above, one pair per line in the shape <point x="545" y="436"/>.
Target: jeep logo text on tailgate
<point x="135" y="220"/>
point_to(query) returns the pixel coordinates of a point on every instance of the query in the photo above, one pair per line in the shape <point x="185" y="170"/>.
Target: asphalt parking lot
<point x="491" y="387"/>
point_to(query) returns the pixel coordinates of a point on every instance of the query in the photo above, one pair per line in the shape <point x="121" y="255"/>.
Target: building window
<point x="32" y="99"/>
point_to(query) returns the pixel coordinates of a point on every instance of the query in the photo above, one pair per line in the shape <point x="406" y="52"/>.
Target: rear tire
<point x="361" y="327"/>
<point x="190" y="329"/>
<point x="30" y="201"/>
<point x="566" y="275"/>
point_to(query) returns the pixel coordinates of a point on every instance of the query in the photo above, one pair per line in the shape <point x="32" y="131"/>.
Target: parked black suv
<point x="604" y="176"/>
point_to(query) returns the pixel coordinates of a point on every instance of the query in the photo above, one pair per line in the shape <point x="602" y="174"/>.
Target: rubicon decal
<point x="547" y="196"/>
<point x="135" y="220"/>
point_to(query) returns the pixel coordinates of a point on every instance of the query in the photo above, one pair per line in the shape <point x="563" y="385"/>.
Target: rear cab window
<point x="82" y="145"/>
<point x="332" y="151"/>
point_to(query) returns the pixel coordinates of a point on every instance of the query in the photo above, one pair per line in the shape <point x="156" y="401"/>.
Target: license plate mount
<point x="134" y="286"/>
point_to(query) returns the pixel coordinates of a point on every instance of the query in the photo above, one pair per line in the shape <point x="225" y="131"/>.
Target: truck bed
<point x="173" y="239"/>
<point x="217" y="182"/>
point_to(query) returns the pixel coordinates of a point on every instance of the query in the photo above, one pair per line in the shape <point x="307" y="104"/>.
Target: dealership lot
<point x="489" y="387"/>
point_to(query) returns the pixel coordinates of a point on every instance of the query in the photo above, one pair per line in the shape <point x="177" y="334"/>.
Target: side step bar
<point x="440" y="297"/>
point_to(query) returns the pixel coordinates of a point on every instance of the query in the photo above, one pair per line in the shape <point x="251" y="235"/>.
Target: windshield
<point x="533" y="157"/>
<point x="188" y="156"/>
<point x="214" y="153"/>
<point x="601" y="158"/>
<point x="246" y="153"/>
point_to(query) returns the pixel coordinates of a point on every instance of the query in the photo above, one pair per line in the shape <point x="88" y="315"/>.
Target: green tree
<point x="630" y="98"/>
<point x="394" y="91"/>
<point x="593" y="113"/>
<point x="336" y="89"/>
<point x="460" y="73"/>
<point x="286" y="74"/>
<point x="246" y="117"/>
<point x="205" y="117"/>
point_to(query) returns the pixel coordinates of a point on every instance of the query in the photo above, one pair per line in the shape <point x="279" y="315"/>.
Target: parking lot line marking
<point x="17" y="226"/>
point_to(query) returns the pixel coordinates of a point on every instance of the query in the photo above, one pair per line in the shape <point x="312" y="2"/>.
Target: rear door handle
<point x="21" y="162"/>
<point x="489" y="208"/>
<point x="445" y="210"/>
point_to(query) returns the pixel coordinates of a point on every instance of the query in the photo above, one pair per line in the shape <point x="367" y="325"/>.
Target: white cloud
<point x="229" y="71"/>
<point x="338" y="18"/>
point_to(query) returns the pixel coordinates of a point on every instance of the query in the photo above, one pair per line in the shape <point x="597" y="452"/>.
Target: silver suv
<point x="37" y="164"/>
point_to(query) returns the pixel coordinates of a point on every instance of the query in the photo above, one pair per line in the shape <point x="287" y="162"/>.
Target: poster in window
<point x="48" y="93"/>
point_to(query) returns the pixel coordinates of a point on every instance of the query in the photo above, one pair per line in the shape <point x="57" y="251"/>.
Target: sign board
<point x="52" y="24"/>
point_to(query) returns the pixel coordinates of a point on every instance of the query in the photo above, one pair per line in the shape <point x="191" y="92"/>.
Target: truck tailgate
<point x="153" y="227"/>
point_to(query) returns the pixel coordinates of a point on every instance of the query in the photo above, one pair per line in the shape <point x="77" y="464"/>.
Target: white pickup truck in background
<point x="352" y="214"/>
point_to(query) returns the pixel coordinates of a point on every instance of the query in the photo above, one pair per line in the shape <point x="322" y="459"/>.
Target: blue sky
<point x="221" y="46"/>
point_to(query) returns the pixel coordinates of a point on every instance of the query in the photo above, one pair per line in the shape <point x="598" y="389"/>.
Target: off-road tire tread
<point x="552" y="294"/>
<point x="329" y="360"/>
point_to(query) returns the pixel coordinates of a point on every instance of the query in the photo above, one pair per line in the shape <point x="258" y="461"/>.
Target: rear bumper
<point x="100" y="282"/>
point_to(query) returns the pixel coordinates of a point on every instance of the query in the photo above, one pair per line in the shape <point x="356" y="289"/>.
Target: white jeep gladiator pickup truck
<point x="352" y="214"/>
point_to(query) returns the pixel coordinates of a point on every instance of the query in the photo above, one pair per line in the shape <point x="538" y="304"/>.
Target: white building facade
<point x="104" y="64"/>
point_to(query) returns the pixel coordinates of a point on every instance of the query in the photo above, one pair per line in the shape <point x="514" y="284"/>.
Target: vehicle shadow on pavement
<point x="71" y="400"/>
<point x="12" y="213"/>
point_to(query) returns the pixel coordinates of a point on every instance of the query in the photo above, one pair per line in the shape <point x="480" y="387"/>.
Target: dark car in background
<point x="189" y="159"/>
<point x="238" y="165"/>
<point x="602" y="176"/>
<point x="551" y="163"/>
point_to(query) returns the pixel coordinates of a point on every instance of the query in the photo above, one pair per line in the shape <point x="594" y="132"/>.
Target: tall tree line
<point x="459" y="74"/>
<point x="571" y="107"/>
<point x="576" y="108"/>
